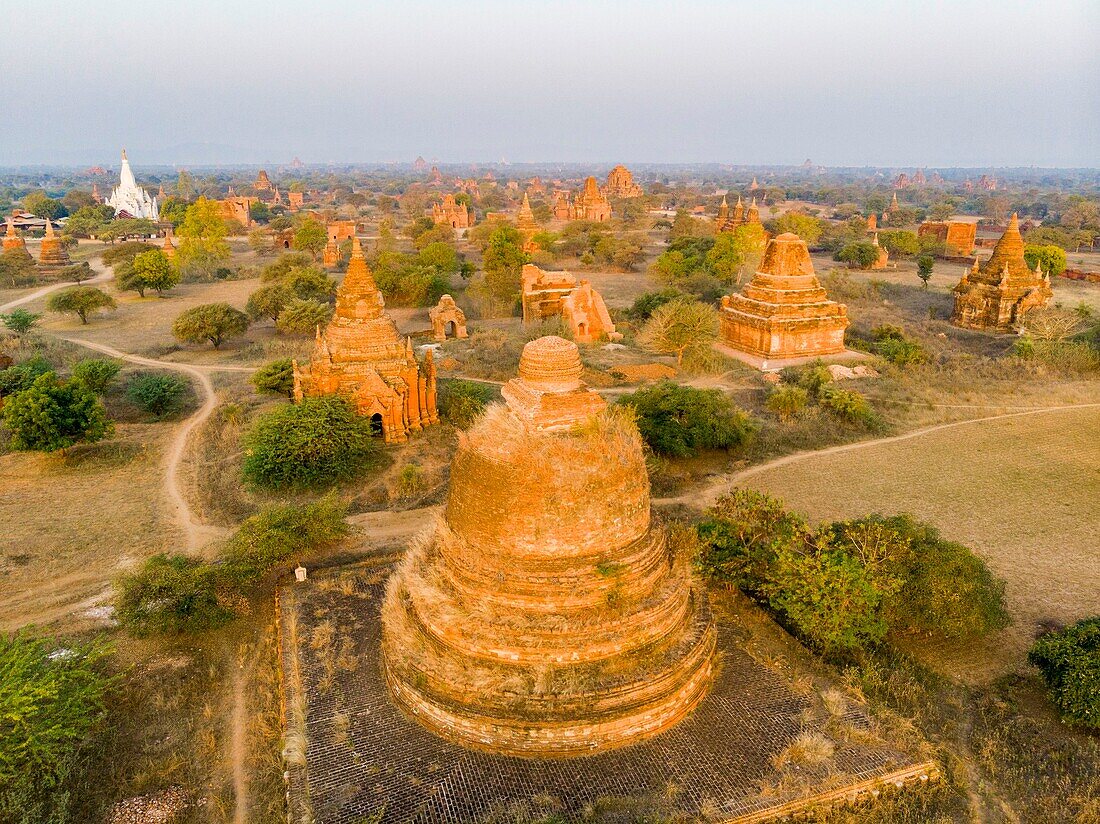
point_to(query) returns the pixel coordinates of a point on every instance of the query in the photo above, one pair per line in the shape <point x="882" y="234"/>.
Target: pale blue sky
<point x="845" y="83"/>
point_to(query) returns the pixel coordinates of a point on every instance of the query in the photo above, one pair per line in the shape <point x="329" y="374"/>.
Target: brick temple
<point x="620" y="183"/>
<point x="997" y="294"/>
<point x="361" y="357"/>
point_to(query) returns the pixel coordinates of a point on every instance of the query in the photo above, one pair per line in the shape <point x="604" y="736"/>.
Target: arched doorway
<point x="582" y="330"/>
<point x="376" y="425"/>
<point x="286" y="244"/>
<point x="449" y="329"/>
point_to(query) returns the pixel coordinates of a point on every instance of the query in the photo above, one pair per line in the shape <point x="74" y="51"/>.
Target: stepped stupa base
<point x="765" y="364"/>
<point x="362" y="754"/>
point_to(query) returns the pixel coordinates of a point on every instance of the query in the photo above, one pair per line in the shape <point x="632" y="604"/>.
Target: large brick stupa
<point x="545" y="613"/>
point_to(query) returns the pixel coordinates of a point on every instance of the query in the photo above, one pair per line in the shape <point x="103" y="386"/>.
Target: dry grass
<point x="1020" y="491"/>
<point x="808" y="749"/>
<point x="71" y="524"/>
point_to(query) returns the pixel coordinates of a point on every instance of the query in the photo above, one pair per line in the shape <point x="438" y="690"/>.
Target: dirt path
<point x="198" y="534"/>
<point x="704" y="496"/>
<point x="104" y="275"/>
<point x="238" y="739"/>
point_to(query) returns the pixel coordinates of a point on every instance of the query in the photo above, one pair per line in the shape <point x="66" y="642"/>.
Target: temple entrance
<point x="286" y="244"/>
<point x="376" y="425"/>
<point x="449" y="329"/>
<point x="582" y="330"/>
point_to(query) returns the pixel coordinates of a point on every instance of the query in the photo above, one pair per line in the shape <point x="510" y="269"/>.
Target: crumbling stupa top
<point x="549" y="393"/>
<point x="787" y="256"/>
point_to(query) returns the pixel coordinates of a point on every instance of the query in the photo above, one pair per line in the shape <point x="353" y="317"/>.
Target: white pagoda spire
<point x="131" y="199"/>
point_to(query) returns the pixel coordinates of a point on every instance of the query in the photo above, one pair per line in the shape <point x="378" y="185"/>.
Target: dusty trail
<point x="238" y="740"/>
<point x="197" y="533"/>
<point x="105" y="274"/>
<point x="709" y="493"/>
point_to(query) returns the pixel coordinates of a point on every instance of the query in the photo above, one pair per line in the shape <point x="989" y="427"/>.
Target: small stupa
<point x="13" y="241"/>
<point x="996" y="295"/>
<point x="544" y="613"/>
<point x="168" y="247"/>
<point x="525" y="222"/>
<point x="784" y="312"/>
<point x="52" y="253"/>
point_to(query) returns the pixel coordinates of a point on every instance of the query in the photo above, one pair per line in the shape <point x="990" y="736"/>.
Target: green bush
<point x="1069" y="661"/>
<point x="20" y="376"/>
<point x="312" y="444"/>
<point x="945" y="589"/>
<point x="172" y="593"/>
<point x="678" y="421"/>
<point x="646" y="304"/>
<point x="96" y="373"/>
<point x="811" y="377"/>
<point x="52" y="415"/>
<point x="276" y="377"/>
<point x="787" y="401"/>
<point x="741" y="534"/>
<point x="847" y="405"/>
<point x="20" y="320"/>
<point x="461" y="402"/>
<point x="842" y="588"/>
<point x="861" y="255"/>
<point x="157" y="393"/>
<point x="891" y="343"/>
<point x="51" y="700"/>
<point x="178" y="593"/>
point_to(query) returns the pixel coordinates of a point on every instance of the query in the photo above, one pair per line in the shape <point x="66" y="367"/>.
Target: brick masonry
<point x="367" y="761"/>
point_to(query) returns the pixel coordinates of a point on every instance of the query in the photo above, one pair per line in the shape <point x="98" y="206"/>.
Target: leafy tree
<point x="924" y="268"/>
<point x="42" y="205"/>
<point x="679" y="327"/>
<point x="846" y="405"/>
<point x="302" y="317"/>
<point x="155" y="271"/>
<point x="202" y="233"/>
<point x="89" y="221"/>
<point x="684" y="226"/>
<point x="503" y="262"/>
<point x="311" y="236"/>
<point x="680" y="420"/>
<point x="268" y="301"/>
<point x="276" y="377"/>
<point x="76" y="199"/>
<point x="16" y="268"/>
<point x="441" y="256"/>
<point x="126" y="227"/>
<point x="20" y="320"/>
<point x="125" y="252"/>
<point x="1069" y="661"/>
<point x="80" y="301"/>
<point x="1051" y="258"/>
<point x="173" y="210"/>
<point x="807" y="227"/>
<point x="312" y="444"/>
<point x="96" y="373"/>
<point x="51" y="701"/>
<point x="826" y="596"/>
<point x="213" y="322"/>
<point x="77" y="273"/>
<point x="861" y="255"/>
<point x="157" y="393"/>
<point x="53" y="415"/>
<point x="941" y="211"/>
<point x="900" y="243"/>
<point x="178" y="593"/>
<point x="259" y="212"/>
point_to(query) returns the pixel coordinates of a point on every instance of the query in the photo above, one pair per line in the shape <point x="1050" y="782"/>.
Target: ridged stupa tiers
<point x="999" y="293"/>
<point x="784" y="312"/>
<point x="545" y="614"/>
<point x="52" y="253"/>
<point x="13" y="241"/>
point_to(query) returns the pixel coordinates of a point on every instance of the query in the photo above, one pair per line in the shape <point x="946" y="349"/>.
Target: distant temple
<point x="956" y="235"/>
<point x="451" y="212"/>
<point x="728" y="221"/>
<point x="590" y="204"/>
<point x="620" y="183"/>
<point x="52" y="253"/>
<point x="998" y="294"/>
<point x="263" y="182"/>
<point x="361" y="357"/>
<point x="130" y="200"/>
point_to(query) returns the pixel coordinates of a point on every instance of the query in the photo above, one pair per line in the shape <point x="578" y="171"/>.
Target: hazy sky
<point x="959" y="83"/>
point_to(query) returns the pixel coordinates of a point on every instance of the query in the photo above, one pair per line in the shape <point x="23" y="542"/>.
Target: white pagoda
<point x="129" y="199"/>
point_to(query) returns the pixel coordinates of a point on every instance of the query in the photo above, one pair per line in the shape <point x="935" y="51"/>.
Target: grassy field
<point x="1021" y="492"/>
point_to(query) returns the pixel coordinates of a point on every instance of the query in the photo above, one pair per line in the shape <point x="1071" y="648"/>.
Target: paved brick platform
<point x="364" y="761"/>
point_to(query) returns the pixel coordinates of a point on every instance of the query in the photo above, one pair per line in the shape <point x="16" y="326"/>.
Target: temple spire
<point x="49" y="227"/>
